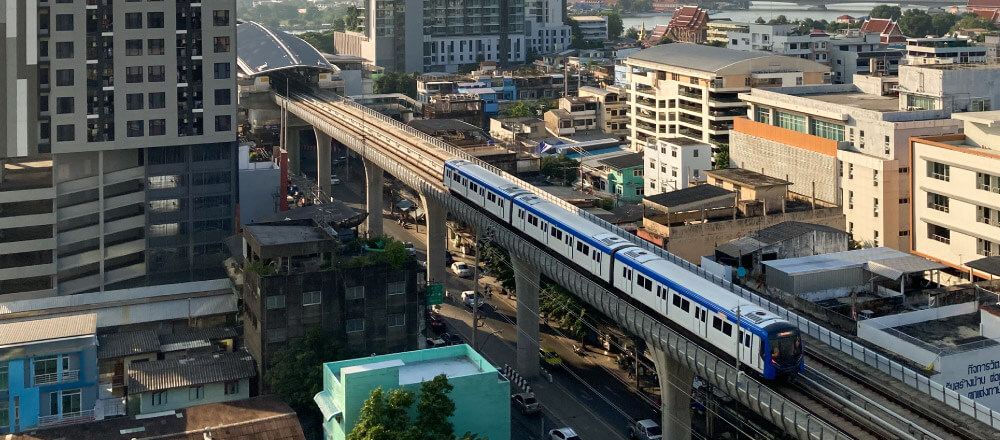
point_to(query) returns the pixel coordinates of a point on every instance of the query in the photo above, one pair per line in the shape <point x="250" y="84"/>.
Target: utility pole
<point x="475" y="290"/>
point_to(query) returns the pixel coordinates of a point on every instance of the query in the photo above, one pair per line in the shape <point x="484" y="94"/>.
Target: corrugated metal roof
<point x="883" y="257"/>
<point x="37" y="330"/>
<point x="127" y="344"/>
<point x="695" y="56"/>
<point x="990" y="265"/>
<point x="176" y="373"/>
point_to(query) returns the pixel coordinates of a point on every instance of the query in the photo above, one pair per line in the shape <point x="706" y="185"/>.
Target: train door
<point x="701" y="320"/>
<point x="745" y="353"/>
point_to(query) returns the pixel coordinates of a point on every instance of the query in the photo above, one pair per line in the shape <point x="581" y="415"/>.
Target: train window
<point x="520" y="213"/>
<point x="716" y="323"/>
<point x="704" y="315"/>
<point x="677" y="300"/>
<point x="457" y="178"/>
<point x="501" y="203"/>
<point x="553" y="232"/>
<point x="579" y="246"/>
<point x="727" y="328"/>
<point x="746" y="339"/>
<point x="586" y="249"/>
<point x="624" y="272"/>
<point x="685" y="305"/>
<point x="545" y="226"/>
<point x="599" y="257"/>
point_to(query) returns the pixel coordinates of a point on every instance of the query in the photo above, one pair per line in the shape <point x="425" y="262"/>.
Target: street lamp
<point x="497" y="332"/>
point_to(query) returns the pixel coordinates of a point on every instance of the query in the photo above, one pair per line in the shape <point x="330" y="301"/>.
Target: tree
<point x="760" y="20"/>
<point x="722" y="157"/>
<point x="385" y="416"/>
<point x="942" y="23"/>
<point x="496" y="261"/>
<point x="665" y="40"/>
<point x="322" y="41"/>
<point x="520" y="110"/>
<point x="970" y="20"/>
<point x="915" y="23"/>
<point x="615" y="24"/>
<point x="434" y="408"/>
<point x="781" y="19"/>
<point x="397" y="82"/>
<point x="560" y="167"/>
<point x="565" y="309"/>
<point x="886" y="11"/>
<point x="632" y="33"/>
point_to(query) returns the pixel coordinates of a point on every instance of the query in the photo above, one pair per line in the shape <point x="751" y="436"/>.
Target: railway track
<point x="820" y="390"/>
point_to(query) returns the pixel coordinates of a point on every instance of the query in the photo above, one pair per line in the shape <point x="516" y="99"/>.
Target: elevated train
<point x="759" y="340"/>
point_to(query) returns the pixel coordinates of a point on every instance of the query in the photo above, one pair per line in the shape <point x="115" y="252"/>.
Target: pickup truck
<point x="645" y="429"/>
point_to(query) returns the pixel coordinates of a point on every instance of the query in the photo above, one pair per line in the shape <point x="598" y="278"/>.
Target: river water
<point x="765" y="10"/>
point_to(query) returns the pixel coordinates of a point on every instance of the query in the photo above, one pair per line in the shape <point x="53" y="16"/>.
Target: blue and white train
<point x="762" y="342"/>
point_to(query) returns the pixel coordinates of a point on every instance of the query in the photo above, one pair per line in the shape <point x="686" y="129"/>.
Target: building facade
<point x="574" y="114"/>
<point x="949" y="87"/>
<point x="675" y="163"/>
<point x="612" y="108"/>
<point x="718" y="30"/>
<point x="841" y="146"/>
<point x="782" y="39"/>
<point x="956" y="193"/>
<point x="119" y="168"/>
<point x="171" y="384"/>
<point x="861" y="53"/>
<point x="592" y="27"/>
<point x="943" y="51"/>
<point x="692" y="90"/>
<point x="481" y="396"/>
<point x="48" y="372"/>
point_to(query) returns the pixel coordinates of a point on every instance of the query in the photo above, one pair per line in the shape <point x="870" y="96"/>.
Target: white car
<point x="334" y="180"/>
<point x="467" y="299"/>
<point x="409" y="248"/>
<point x="463" y="270"/>
<point x="563" y="434"/>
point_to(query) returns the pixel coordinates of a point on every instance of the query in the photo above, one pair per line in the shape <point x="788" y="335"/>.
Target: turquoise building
<point x="624" y="177"/>
<point x="481" y="394"/>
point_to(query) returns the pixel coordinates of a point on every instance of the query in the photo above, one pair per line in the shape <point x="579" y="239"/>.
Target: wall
<point x="178" y="398"/>
<point x="873" y="330"/>
<point x="259" y="190"/>
<point x="802" y="167"/>
<point x="974" y="374"/>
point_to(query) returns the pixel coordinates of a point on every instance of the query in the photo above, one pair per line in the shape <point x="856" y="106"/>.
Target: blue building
<point x="491" y="103"/>
<point x="48" y="372"/>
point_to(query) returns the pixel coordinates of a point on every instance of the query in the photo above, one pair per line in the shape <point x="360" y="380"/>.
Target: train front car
<point x="784" y="355"/>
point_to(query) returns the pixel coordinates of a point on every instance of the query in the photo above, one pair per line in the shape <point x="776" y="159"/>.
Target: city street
<point x="589" y="393"/>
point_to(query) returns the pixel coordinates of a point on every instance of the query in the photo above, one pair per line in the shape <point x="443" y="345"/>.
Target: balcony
<point x="67" y="418"/>
<point x="937" y="207"/>
<point x="935" y="237"/>
<point x="689" y="94"/>
<point x="67" y="376"/>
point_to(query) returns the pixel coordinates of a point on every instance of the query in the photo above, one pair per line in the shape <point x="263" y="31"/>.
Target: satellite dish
<point x="741" y="271"/>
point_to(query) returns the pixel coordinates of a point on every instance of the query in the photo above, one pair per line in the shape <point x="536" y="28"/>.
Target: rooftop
<point x="695" y="56"/>
<point x="865" y="101"/>
<point x="770" y="235"/>
<point x="260" y="50"/>
<point x="39" y="330"/>
<point x="430" y="126"/>
<point x="273" y="235"/>
<point x="688" y="195"/>
<point x="264" y="417"/>
<point x="116" y="345"/>
<point x="990" y="265"/>
<point x="335" y="213"/>
<point x="624" y="161"/>
<point x="746" y="177"/>
<point x="175" y="373"/>
<point x="944" y="333"/>
<point x="681" y="141"/>
<point x="418" y="372"/>
<point x="881" y="260"/>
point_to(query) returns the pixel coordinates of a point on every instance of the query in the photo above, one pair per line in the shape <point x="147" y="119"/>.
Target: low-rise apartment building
<point x="857" y="52"/>
<point x="463" y="107"/>
<point x="692" y="90"/>
<point x="574" y="114"/>
<point x="956" y="193"/>
<point x="170" y="384"/>
<point x="945" y="50"/>
<point x="612" y="108"/>
<point x="718" y="30"/>
<point x="782" y="39"/>
<point x="675" y="163"/>
<point x="838" y="145"/>
<point x="592" y="27"/>
<point x="620" y="176"/>
<point x="950" y="87"/>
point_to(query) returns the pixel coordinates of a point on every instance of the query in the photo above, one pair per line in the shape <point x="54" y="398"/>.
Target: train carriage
<point x="478" y="185"/>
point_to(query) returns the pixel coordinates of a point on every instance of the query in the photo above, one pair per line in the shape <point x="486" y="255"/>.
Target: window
<point x="978" y="105"/>
<point x="762" y="115"/>
<point x="223" y="97"/>
<point x="987" y="215"/>
<point x="695" y="152"/>
<point x="397" y="319"/>
<point x="355" y="325"/>
<point x="232" y="387"/>
<point x="875" y="207"/>
<point x="938" y="233"/>
<point x="223" y="123"/>
<point x="312" y="298"/>
<point x="133" y="47"/>
<point x="133" y="74"/>
<point x="875" y="177"/>
<point x="4" y="378"/>
<point x="64" y="22"/>
<point x="850" y="171"/>
<point x="938" y="171"/>
<point x="220" y="18"/>
<point x="133" y="101"/>
<point x="157" y="100"/>
<point x="861" y="139"/>
<point x="355" y="292"/>
<point x="828" y="130"/>
<point x="727" y="328"/>
<point x="65" y="133"/>
<point x="4" y="413"/>
<point x="920" y="102"/>
<point x="158" y="398"/>
<point x="274" y="335"/>
<point x="850" y="199"/>
<point x="157" y="73"/>
<point x="791" y="121"/>
<point x="196" y="392"/>
<point x="155" y="20"/>
<point x="157" y="127"/>
<point x="988" y="182"/>
<point x="64" y="49"/>
<point x="637" y="172"/>
<point x="155" y="46"/>
<point x="222" y="70"/>
<point x="64" y="105"/>
<point x="717" y="323"/>
<point x="221" y="44"/>
<point x="133" y="20"/>
<point x="886" y="145"/>
<point x="275" y="302"/>
<point x="64" y="77"/>
<point x="937" y="202"/>
<point x="983" y="247"/>
<point x="136" y="128"/>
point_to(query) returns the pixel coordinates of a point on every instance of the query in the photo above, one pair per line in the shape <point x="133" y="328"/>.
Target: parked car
<point x="334" y="180"/>
<point x="563" y="434"/>
<point x="467" y="299"/>
<point x="645" y="429"/>
<point x="433" y="342"/>
<point x="548" y="356"/>
<point x="526" y="403"/>
<point x="463" y="270"/>
<point x="409" y="248"/>
<point x="437" y="324"/>
<point x="451" y="339"/>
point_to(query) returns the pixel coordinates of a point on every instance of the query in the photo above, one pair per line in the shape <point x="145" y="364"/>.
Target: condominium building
<point x="855" y="52"/>
<point x="612" y="108"/>
<point x="675" y="163"/>
<point x="956" y="193"/>
<point x="441" y="35"/>
<point x="592" y="27"/>
<point x="950" y="87"/>
<point x="943" y="51"/>
<point x="782" y="39"/>
<point x="839" y="145"/>
<point x="692" y="90"/>
<point x="118" y="168"/>
<point x="718" y="30"/>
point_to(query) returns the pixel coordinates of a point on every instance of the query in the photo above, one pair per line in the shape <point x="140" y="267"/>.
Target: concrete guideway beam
<point x="676" y="380"/>
<point x="437" y="239"/>
<point x="323" y="164"/>
<point x="796" y="422"/>
<point x="374" y="182"/>
<point x="527" y="279"/>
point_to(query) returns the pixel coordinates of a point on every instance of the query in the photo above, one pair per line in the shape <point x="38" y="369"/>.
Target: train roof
<point x="582" y="228"/>
<point x="702" y="291"/>
<point x="487" y="178"/>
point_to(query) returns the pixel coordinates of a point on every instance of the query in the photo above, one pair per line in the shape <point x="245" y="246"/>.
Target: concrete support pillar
<point x="527" y="279"/>
<point x="676" y="380"/>
<point x="373" y="197"/>
<point x="293" y="146"/>
<point x="323" y="164"/>
<point x="437" y="239"/>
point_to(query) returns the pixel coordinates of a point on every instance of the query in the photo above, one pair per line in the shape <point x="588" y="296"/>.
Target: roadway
<point x="590" y="393"/>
